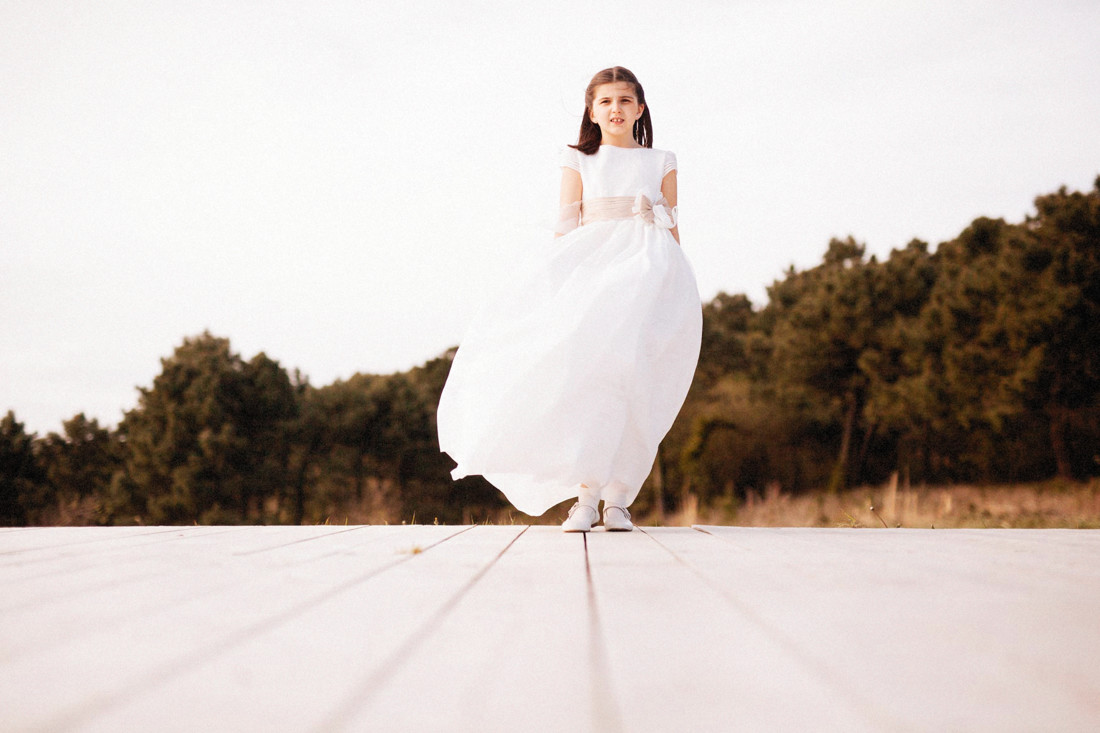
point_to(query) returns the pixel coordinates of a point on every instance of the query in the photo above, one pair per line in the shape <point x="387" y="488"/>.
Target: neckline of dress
<point x="620" y="147"/>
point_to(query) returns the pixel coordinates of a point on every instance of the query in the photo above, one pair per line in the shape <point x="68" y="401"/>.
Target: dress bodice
<point x="614" y="171"/>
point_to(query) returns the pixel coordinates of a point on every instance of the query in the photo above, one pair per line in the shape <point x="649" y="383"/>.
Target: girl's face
<point x="615" y="109"/>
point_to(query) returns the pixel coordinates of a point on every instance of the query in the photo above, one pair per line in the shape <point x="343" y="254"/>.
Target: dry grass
<point x="1051" y="504"/>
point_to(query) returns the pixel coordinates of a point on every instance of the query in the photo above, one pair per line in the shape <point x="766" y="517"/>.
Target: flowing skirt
<point x="578" y="369"/>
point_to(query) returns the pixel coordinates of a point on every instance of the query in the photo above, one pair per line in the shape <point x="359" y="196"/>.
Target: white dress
<point x="576" y="373"/>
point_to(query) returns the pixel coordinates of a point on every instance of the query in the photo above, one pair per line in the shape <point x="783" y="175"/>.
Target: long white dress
<point x="576" y="373"/>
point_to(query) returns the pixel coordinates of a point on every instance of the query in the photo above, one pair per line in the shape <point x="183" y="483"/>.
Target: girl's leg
<point x="589" y="496"/>
<point x="585" y="512"/>
<point x="617" y="496"/>
<point x="617" y="493"/>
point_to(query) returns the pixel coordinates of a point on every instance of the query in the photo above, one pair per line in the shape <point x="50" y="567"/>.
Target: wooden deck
<point x="516" y="628"/>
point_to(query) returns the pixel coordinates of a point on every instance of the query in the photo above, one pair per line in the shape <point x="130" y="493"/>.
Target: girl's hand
<point x="668" y="190"/>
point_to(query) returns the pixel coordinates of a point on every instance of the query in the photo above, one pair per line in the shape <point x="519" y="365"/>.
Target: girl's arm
<point x="668" y="190"/>
<point x="570" y="191"/>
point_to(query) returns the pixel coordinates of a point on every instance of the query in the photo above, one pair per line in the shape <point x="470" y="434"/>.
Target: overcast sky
<point x="335" y="183"/>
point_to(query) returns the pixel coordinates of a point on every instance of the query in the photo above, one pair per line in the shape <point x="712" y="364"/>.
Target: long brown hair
<point x="588" y="142"/>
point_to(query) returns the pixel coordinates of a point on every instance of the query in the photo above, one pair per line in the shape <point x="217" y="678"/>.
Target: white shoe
<point x="581" y="518"/>
<point x="616" y="519"/>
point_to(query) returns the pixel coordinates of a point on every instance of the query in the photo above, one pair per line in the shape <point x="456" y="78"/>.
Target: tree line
<point x="977" y="362"/>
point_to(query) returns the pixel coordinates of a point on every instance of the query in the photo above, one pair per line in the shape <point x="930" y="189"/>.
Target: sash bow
<point x="657" y="213"/>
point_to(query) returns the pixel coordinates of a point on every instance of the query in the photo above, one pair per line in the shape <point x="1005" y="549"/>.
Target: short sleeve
<point x="670" y="163"/>
<point x="569" y="159"/>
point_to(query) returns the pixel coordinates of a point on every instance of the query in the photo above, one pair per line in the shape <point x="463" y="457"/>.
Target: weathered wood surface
<point x="516" y="628"/>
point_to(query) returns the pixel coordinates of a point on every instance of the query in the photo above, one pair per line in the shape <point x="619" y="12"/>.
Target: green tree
<point x="373" y="452"/>
<point x="1066" y="371"/>
<point x="894" y="408"/>
<point x="80" y="464"/>
<point x="713" y="451"/>
<point x="23" y="488"/>
<point x="985" y="329"/>
<point x="826" y="318"/>
<point x="725" y="348"/>
<point x="208" y="441"/>
<point x="309" y="441"/>
<point x="382" y="442"/>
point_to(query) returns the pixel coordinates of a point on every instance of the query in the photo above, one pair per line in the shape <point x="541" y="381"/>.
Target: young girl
<point x="566" y="385"/>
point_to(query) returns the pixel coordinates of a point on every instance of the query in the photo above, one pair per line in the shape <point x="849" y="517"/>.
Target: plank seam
<point x="92" y="541"/>
<point x="298" y="542"/>
<point x="871" y="712"/>
<point x="606" y="713"/>
<point x="344" y="713"/>
<point x="19" y="562"/>
<point x="83" y="713"/>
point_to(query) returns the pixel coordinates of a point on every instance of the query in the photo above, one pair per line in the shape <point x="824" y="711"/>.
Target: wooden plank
<point x="46" y="566"/>
<point x="228" y="601"/>
<point x="681" y="657"/>
<point x="299" y="669"/>
<point x="951" y="628"/>
<point x="515" y="653"/>
<point x="32" y="540"/>
<point x="1000" y="551"/>
<point x="54" y="571"/>
<point x="109" y="589"/>
<point x="499" y="628"/>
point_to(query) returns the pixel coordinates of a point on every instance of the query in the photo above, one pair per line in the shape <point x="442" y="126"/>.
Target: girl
<point x="566" y="385"/>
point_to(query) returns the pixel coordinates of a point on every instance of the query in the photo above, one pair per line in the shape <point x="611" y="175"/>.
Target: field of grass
<point x="1050" y="504"/>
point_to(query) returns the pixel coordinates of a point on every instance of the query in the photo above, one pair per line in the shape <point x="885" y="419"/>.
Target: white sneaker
<point x="581" y="518"/>
<point x="616" y="519"/>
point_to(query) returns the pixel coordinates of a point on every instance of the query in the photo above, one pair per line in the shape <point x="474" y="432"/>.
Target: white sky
<point x="334" y="183"/>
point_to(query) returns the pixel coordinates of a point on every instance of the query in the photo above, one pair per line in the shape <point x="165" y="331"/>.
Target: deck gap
<point x="91" y="541"/>
<point x="97" y="706"/>
<point x="606" y="715"/>
<point x="20" y="562"/>
<point x="297" y="542"/>
<point x="875" y="716"/>
<point x="340" y="717"/>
